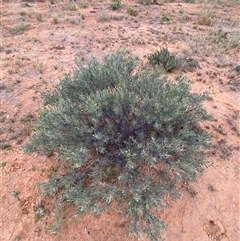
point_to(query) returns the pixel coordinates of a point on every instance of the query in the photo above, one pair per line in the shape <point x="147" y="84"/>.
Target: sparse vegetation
<point x="83" y="3"/>
<point x="226" y="40"/>
<point x="233" y="121"/>
<point x="225" y="149"/>
<point x="124" y="136"/>
<point x="28" y="121"/>
<point x="145" y="2"/>
<point x="19" y="29"/>
<point x="132" y="12"/>
<point x="233" y="40"/>
<point x="39" y="17"/>
<point x="39" y="67"/>
<point x="207" y="18"/>
<point x="69" y="5"/>
<point x="39" y="213"/>
<point x="75" y="20"/>
<point x="103" y="16"/>
<point x="184" y="63"/>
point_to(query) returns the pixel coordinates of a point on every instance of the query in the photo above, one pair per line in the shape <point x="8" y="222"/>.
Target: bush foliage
<point x="115" y="5"/>
<point x="164" y="59"/>
<point x="126" y="137"/>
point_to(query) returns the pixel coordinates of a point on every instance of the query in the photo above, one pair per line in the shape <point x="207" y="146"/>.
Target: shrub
<point x="145" y="2"/>
<point x="115" y="5"/>
<point x="69" y="6"/>
<point x="206" y="17"/>
<point x="126" y="137"/>
<point x="19" y="29"/>
<point x="164" y="59"/>
<point x="132" y="12"/>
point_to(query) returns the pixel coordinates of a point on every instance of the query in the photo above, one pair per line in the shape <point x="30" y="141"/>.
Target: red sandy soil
<point x="37" y="57"/>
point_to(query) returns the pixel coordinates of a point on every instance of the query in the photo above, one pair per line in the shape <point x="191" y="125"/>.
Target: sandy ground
<point x="39" y="41"/>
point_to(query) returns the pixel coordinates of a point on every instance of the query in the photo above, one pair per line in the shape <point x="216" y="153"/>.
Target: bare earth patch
<point x="39" y="42"/>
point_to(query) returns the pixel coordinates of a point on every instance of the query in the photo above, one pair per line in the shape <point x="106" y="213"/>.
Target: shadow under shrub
<point x="126" y="137"/>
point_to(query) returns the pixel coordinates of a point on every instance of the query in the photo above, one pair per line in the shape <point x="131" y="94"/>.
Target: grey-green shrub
<point x="164" y="59"/>
<point x="126" y="137"/>
<point x="115" y="5"/>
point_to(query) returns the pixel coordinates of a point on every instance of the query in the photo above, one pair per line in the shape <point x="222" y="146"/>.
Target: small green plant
<point x="6" y="147"/>
<point x="115" y="5"/>
<point x="132" y="12"/>
<point x="165" y="18"/>
<point x="39" y="213"/>
<point x="164" y="59"/>
<point x="39" y="17"/>
<point x="3" y="164"/>
<point x="55" y="20"/>
<point x="19" y="29"/>
<point x="125" y="137"/>
<point x="52" y="170"/>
